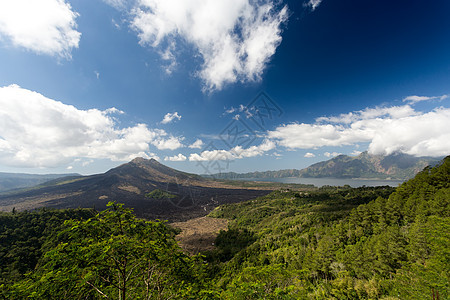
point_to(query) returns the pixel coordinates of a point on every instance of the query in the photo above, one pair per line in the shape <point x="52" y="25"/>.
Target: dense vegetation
<point x="26" y="236"/>
<point x="329" y="243"/>
<point x="110" y="255"/>
<point x="312" y="246"/>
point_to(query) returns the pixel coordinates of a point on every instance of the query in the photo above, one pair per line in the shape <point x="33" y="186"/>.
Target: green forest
<point x="328" y="243"/>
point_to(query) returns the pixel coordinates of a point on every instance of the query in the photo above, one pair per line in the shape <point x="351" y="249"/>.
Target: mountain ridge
<point x="12" y="181"/>
<point x="132" y="183"/>
<point x="396" y="166"/>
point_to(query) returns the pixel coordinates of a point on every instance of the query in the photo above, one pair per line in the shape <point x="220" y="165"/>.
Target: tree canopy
<point x="329" y="243"/>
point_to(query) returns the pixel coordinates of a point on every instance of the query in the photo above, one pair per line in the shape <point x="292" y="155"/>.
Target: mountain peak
<point x="151" y="168"/>
<point x="143" y="160"/>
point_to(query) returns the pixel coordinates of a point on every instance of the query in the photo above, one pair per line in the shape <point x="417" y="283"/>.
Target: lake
<point x="330" y="181"/>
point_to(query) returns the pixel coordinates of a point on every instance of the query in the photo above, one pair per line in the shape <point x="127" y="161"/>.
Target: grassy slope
<point x="343" y="243"/>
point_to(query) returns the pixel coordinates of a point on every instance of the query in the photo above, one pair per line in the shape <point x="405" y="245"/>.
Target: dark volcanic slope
<point x="184" y="195"/>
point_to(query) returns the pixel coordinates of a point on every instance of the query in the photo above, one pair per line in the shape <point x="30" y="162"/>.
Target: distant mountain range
<point x="154" y="190"/>
<point x="394" y="167"/>
<point x="11" y="181"/>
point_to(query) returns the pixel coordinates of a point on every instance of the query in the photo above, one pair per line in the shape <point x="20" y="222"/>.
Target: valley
<point x="322" y="243"/>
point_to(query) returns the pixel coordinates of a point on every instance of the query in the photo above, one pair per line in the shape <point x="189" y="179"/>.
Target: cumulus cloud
<point x="198" y="144"/>
<point x="169" y="117"/>
<point x="332" y="154"/>
<point x="36" y="131"/>
<point x="414" y="99"/>
<point x="45" y="26"/>
<point x="235" y="153"/>
<point x="309" y="155"/>
<point x="210" y="155"/>
<point x="356" y="153"/>
<point x="235" y="38"/>
<point x="170" y="143"/>
<point x="313" y="4"/>
<point x="179" y="157"/>
<point x="387" y="130"/>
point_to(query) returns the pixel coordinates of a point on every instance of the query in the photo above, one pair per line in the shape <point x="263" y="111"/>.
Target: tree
<point x="113" y="255"/>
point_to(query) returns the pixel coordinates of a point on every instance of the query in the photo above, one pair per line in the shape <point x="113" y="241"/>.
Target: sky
<point x="209" y="86"/>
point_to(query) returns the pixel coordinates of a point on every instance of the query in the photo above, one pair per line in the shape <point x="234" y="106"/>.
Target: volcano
<point x="153" y="190"/>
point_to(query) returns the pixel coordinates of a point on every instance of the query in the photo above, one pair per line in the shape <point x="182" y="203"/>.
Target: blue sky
<point x="209" y="86"/>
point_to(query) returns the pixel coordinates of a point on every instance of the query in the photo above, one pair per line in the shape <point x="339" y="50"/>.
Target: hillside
<point x="365" y="165"/>
<point x="364" y="243"/>
<point x="328" y="243"/>
<point x="11" y="181"/>
<point x="131" y="184"/>
<point x="393" y="167"/>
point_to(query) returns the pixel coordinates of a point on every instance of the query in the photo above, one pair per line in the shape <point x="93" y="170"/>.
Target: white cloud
<point x="97" y="74"/>
<point x="311" y="136"/>
<point x="247" y="111"/>
<point x="387" y="130"/>
<point x="169" y="117"/>
<point x="45" y="26"/>
<point x="179" y="157"/>
<point x="168" y="56"/>
<point x="414" y="99"/>
<point x="235" y="38"/>
<point x="87" y="162"/>
<point x="313" y="4"/>
<point x="309" y="155"/>
<point x="252" y="151"/>
<point x="171" y="143"/>
<point x="198" y="144"/>
<point x="370" y="113"/>
<point x="209" y="155"/>
<point x="235" y="153"/>
<point x="356" y="152"/>
<point x="119" y="4"/>
<point x="333" y="154"/>
<point x="36" y="131"/>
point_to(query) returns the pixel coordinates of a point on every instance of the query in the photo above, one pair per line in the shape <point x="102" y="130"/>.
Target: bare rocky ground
<point x="198" y="234"/>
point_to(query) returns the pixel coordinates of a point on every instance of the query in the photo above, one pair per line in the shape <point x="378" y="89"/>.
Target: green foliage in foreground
<point x="314" y="246"/>
<point x="112" y="255"/>
<point x="26" y="236"/>
<point x="330" y="243"/>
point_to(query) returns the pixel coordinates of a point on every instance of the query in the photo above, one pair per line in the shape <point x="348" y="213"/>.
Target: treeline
<point x="111" y="254"/>
<point x="257" y="174"/>
<point x="26" y="236"/>
<point x="329" y="243"/>
<point x="312" y="246"/>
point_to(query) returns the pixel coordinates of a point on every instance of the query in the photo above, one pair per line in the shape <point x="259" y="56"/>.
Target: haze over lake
<point x="319" y="182"/>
